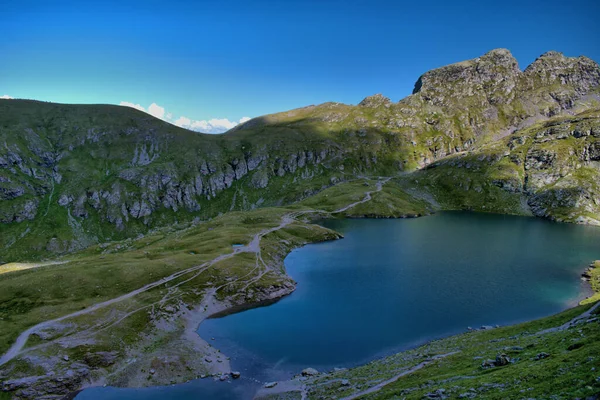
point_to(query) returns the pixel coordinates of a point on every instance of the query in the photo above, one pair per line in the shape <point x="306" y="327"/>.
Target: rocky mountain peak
<point x="554" y="67"/>
<point x="375" y="100"/>
<point x="493" y="75"/>
<point x="500" y="57"/>
<point x="552" y="53"/>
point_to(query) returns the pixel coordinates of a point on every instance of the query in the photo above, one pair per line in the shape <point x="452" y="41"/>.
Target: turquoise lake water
<point x="390" y="285"/>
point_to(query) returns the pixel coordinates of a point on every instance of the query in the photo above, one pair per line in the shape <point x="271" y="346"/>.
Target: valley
<point x="121" y="233"/>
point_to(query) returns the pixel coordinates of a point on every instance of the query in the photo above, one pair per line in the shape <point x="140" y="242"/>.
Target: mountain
<point x="75" y="175"/>
<point x="166" y="227"/>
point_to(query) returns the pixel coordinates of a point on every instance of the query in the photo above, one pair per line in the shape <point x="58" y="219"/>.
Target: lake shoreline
<point x="220" y="308"/>
<point x="244" y="307"/>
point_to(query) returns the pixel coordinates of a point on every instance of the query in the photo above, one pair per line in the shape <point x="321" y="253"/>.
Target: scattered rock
<point x="542" y="355"/>
<point x="500" y="361"/>
<point x="309" y="372"/>
<point x="438" y="394"/>
<point x="270" y="385"/>
<point x="235" y="374"/>
<point x="100" y="359"/>
<point x="345" y="382"/>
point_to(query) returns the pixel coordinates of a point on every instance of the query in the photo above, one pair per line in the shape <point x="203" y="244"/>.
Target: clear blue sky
<point x="230" y="59"/>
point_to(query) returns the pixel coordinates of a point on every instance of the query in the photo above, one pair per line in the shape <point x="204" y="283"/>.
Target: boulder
<point x="502" y="359"/>
<point x="309" y="372"/>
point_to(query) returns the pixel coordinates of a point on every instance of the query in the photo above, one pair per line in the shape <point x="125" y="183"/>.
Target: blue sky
<point x="216" y="60"/>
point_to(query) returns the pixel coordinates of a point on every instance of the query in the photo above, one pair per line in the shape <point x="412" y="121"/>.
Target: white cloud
<point x="215" y="125"/>
<point x="136" y="106"/>
<point x="156" y="110"/>
<point x="5" y="97"/>
<point x="183" y="121"/>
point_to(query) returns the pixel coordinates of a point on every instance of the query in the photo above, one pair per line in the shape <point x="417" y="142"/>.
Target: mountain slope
<point x="75" y="175"/>
<point x="550" y="169"/>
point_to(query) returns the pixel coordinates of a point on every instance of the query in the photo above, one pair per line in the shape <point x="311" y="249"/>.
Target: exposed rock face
<point x="552" y="166"/>
<point x="491" y="78"/>
<point x="553" y="68"/>
<point x="36" y="387"/>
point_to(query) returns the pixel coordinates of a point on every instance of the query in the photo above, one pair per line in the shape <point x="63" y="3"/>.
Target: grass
<point x="104" y="272"/>
<point x="11" y="267"/>
<point x="390" y="202"/>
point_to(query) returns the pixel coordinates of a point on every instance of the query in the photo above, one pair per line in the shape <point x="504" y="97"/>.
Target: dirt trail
<point x="379" y="186"/>
<point x="571" y="322"/>
<point x="379" y="386"/>
<point x="22" y="339"/>
<point x="253" y="247"/>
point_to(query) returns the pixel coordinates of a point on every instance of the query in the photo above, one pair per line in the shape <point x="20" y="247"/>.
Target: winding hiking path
<point x="252" y="247"/>
<point x="572" y="322"/>
<point x="379" y="386"/>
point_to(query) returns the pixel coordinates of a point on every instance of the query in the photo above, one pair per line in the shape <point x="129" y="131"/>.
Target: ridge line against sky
<point x="213" y="125"/>
<point x="209" y="65"/>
